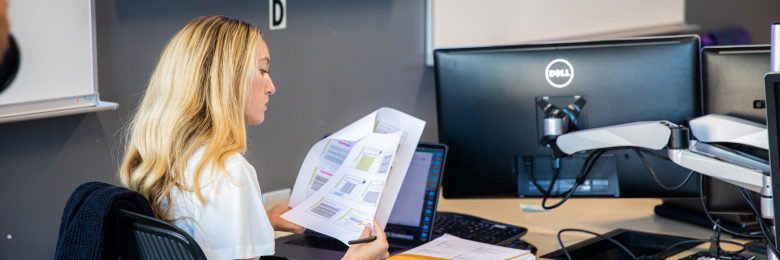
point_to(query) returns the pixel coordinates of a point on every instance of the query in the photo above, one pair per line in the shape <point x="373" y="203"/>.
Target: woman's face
<point x="261" y="88"/>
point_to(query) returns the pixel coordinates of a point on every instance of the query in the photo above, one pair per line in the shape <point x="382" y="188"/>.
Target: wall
<point x="337" y="61"/>
<point x="755" y="16"/>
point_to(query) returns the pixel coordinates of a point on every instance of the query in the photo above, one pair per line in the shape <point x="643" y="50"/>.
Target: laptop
<point x="410" y="223"/>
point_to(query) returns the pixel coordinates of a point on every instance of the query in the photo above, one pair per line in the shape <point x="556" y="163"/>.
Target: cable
<point x="707" y="212"/>
<point x="566" y="196"/>
<point x="533" y="180"/>
<point x="592" y="233"/>
<point x="707" y="240"/>
<point x="586" y="167"/>
<point x="539" y="186"/>
<point x="655" y="177"/>
<point x="768" y="231"/>
<point x="768" y="234"/>
<point x="652" y="153"/>
<point x="765" y="229"/>
<point x="749" y="198"/>
<point x="550" y="194"/>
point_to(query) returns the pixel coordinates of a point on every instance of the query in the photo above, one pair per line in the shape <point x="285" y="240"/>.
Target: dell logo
<point x="559" y="73"/>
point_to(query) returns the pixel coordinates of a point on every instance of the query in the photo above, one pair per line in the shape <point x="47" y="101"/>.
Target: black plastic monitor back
<point x="149" y="238"/>
<point x="733" y="78"/>
<point x="732" y="84"/>
<point x="488" y="115"/>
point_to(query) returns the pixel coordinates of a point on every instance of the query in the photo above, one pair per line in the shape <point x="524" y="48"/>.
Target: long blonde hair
<point x="196" y="94"/>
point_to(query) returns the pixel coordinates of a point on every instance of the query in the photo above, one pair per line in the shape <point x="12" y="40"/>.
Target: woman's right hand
<point x="372" y="250"/>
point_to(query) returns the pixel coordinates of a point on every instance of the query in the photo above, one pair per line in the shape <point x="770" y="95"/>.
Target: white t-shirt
<point x="233" y="224"/>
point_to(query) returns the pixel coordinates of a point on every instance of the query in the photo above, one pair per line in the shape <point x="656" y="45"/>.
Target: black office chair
<point x="149" y="238"/>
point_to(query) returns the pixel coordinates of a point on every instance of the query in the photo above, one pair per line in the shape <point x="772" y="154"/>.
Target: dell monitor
<point x="733" y="85"/>
<point x="772" y="91"/>
<point x="488" y="114"/>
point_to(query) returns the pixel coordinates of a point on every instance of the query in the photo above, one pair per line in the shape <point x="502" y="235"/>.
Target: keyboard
<point x="326" y="243"/>
<point x="475" y="228"/>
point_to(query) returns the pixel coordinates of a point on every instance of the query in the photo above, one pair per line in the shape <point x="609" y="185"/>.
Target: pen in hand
<point x="362" y="240"/>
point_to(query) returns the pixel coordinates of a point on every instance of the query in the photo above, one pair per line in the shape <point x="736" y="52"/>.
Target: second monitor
<point x="733" y="85"/>
<point x="488" y="113"/>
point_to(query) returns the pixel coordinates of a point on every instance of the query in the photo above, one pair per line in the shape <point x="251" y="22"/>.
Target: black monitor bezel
<point x="435" y="200"/>
<point x="772" y="83"/>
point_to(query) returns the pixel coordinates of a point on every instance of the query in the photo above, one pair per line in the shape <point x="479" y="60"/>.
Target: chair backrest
<point x="145" y="238"/>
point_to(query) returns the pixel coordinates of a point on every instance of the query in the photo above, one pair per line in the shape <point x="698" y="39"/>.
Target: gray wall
<point x="336" y="62"/>
<point x="756" y="16"/>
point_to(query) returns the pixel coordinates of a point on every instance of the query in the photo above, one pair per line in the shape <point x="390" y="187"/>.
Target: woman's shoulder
<point x="237" y="161"/>
<point x="236" y="165"/>
<point x="238" y="168"/>
<point x="233" y="160"/>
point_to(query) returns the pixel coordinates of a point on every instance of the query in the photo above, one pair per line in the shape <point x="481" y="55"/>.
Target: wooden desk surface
<point x="596" y="215"/>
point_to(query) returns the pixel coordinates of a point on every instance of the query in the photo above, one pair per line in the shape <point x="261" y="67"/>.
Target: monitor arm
<point x="693" y="154"/>
<point x="699" y="154"/>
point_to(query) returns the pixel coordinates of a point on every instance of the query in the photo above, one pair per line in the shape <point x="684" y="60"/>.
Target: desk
<point x="596" y="215"/>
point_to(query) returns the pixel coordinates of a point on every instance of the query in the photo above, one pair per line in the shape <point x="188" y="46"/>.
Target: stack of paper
<point x="355" y="174"/>
<point x="452" y="247"/>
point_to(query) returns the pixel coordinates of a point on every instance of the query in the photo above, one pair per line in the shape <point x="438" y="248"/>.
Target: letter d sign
<point x="278" y="14"/>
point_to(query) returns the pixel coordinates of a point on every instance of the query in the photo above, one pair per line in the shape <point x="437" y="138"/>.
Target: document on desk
<point x="455" y="248"/>
<point x="355" y="174"/>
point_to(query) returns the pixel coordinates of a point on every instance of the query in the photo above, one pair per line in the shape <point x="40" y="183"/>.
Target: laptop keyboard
<point x="475" y="228"/>
<point x="326" y="243"/>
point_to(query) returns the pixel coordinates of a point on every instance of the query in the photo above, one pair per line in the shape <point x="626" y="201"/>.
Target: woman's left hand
<point x="280" y="224"/>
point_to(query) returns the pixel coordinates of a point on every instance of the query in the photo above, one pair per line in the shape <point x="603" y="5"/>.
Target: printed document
<point x="355" y="174"/>
<point x="452" y="247"/>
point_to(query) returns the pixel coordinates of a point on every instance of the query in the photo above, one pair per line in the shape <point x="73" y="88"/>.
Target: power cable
<point x="592" y="233"/>
<point x="707" y="212"/>
<point x="765" y="229"/>
<point x="586" y="167"/>
<point x="655" y="177"/>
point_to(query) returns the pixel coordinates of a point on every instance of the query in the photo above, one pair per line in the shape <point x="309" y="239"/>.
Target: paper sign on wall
<point x="277" y="14"/>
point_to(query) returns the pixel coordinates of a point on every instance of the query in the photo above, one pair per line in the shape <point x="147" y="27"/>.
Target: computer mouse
<point x="522" y="245"/>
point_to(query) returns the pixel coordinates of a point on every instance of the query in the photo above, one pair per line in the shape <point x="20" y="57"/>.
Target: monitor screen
<point x="415" y="205"/>
<point x="488" y="114"/>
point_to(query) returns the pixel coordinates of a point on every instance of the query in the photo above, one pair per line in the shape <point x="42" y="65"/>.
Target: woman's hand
<point x="372" y="250"/>
<point x="280" y="224"/>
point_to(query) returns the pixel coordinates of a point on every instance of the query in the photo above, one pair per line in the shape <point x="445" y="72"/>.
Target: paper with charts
<point x="452" y="247"/>
<point x="355" y="174"/>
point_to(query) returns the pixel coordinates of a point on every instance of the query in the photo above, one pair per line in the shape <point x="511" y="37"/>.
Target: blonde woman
<point x="184" y="145"/>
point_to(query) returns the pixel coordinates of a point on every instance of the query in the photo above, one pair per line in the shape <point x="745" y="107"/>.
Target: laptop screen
<point x="415" y="205"/>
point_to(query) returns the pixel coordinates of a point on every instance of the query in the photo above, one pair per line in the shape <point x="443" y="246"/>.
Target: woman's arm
<point x="280" y="224"/>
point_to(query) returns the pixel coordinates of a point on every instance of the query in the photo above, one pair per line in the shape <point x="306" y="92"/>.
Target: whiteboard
<point x="58" y="68"/>
<point x="466" y="23"/>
